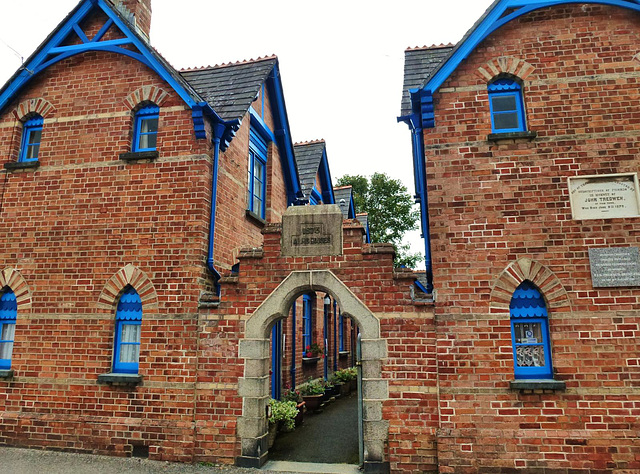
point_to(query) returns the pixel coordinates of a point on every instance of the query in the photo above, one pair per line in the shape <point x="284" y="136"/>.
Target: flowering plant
<point x="312" y="387"/>
<point x="291" y="395"/>
<point x="283" y="411"/>
<point x="313" y="350"/>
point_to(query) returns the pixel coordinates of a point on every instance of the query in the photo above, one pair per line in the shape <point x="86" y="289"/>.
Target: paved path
<point x="327" y="437"/>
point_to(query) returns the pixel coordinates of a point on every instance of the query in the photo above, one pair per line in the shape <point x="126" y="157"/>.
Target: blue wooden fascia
<point x="53" y="51"/>
<point x="351" y="213"/>
<point x="282" y="133"/>
<point x="494" y="20"/>
<point x="325" y="178"/>
<point x="259" y="125"/>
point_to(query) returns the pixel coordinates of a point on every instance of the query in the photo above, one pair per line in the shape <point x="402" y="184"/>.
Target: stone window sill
<point x="6" y="374"/>
<point x="120" y="379"/>
<point x="538" y="384"/>
<point x="139" y="156"/>
<point x="252" y="216"/>
<point x="497" y="137"/>
<point x="22" y="165"/>
<point x="310" y="360"/>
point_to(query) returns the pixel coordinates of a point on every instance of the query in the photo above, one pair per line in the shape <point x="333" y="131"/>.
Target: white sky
<point x="341" y="61"/>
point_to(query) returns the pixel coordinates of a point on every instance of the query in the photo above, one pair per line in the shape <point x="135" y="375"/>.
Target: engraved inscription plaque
<point x="312" y="231"/>
<point x="605" y="197"/>
<point x="615" y="267"/>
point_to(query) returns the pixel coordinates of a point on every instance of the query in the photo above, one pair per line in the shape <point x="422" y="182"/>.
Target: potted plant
<point x="338" y="385"/>
<point x="312" y="392"/>
<point x="281" y="415"/>
<point x="312" y="353"/>
<point x="293" y="395"/>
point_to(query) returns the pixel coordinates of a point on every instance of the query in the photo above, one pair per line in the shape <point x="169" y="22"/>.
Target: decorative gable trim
<point x="38" y="106"/>
<point x="129" y="275"/>
<point x="541" y="276"/>
<point x="506" y="65"/>
<point x="12" y="278"/>
<point x="146" y="94"/>
<point x="54" y="50"/>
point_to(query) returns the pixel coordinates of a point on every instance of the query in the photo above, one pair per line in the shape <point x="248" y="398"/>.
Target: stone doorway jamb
<point x="254" y="349"/>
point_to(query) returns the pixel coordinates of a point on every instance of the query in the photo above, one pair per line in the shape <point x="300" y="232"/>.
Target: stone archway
<point x="254" y="349"/>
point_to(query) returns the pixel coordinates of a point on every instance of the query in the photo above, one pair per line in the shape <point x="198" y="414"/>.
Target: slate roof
<point x="343" y="199"/>
<point x="363" y="219"/>
<point x="419" y="65"/>
<point x="308" y="158"/>
<point x="231" y="88"/>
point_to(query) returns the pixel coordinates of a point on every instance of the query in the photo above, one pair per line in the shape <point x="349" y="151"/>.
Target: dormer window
<point x="31" y="137"/>
<point x="145" y="133"/>
<point x="507" y="106"/>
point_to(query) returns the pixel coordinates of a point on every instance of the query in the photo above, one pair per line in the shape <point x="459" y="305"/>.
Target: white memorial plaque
<point x="605" y="196"/>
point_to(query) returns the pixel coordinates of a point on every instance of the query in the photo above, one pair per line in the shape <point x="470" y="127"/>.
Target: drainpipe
<point x="420" y="172"/>
<point x="218" y="131"/>
<point x="335" y="338"/>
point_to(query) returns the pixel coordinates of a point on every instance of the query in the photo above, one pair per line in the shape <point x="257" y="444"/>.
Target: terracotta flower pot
<point x="300" y="416"/>
<point x="313" y="402"/>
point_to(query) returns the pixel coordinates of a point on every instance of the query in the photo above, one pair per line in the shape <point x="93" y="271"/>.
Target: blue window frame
<point x="8" y="316"/>
<point x="307" y="323"/>
<point x="127" y="339"/>
<point x="31" y="137"/>
<point x="257" y="175"/>
<point x="507" y="106"/>
<point x="145" y="132"/>
<point x="530" y="333"/>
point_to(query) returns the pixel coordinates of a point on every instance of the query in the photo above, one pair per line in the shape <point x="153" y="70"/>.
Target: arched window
<point x="31" y="136"/>
<point x="507" y="106"/>
<point x="145" y="132"/>
<point x="530" y="333"/>
<point x="8" y="315"/>
<point x="127" y="337"/>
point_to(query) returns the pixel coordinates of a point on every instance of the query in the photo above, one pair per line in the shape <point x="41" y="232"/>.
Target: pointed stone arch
<point x="254" y="349"/>
<point x="506" y="65"/>
<point x="13" y="279"/>
<point x="129" y="275"/>
<point x="522" y="269"/>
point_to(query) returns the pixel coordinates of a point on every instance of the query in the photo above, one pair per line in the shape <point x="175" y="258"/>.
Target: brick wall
<point x="77" y="222"/>
<point x="492" y="204"/>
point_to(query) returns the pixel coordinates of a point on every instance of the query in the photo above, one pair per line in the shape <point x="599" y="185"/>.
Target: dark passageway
<point x="327" y="437"/>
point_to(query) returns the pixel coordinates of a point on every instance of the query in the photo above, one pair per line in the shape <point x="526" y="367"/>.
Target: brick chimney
<point x="138" y="12"/>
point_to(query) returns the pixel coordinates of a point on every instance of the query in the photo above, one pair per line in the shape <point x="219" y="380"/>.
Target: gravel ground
<point x="32" y="461"/>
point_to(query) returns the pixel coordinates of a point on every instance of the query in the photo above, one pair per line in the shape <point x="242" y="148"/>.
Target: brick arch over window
<point x="506" y="65"/>
<point x="12" y="278"/>
<point x="39" y="106"/>
<point x="525" y="269"/>
<point x="146" y="94"/>
<point x="129" y="275"/>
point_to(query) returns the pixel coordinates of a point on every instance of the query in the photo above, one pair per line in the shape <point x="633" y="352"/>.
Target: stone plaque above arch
<point x="526" y="269"/>
<point x="129" y="275"/>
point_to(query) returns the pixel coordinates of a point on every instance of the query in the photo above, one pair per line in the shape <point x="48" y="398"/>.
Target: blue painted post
<point x="293" y="345"/>
<point x="335" y="338"/>
<point x="326" y="340"/>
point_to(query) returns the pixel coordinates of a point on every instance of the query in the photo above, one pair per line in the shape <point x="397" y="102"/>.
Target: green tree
<point x="391" y="212"/>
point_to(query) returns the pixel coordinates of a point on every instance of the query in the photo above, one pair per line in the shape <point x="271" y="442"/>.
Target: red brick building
<point x="526" y="153"/>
